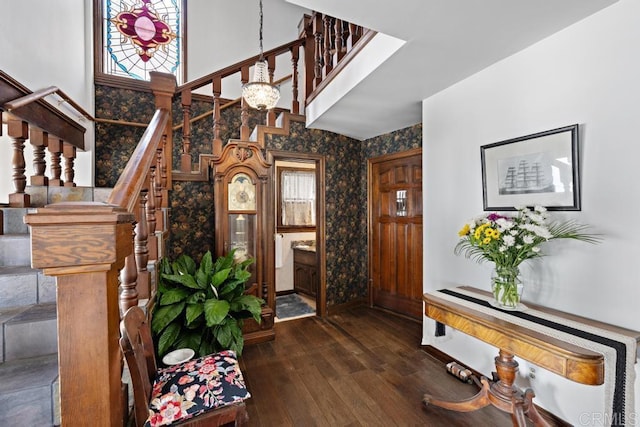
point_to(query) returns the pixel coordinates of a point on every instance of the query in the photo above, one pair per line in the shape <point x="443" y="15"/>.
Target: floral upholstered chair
<point x="209" y="390"/>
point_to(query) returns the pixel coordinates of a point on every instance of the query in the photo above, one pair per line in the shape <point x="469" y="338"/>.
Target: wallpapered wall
<point x="192" y="216"/>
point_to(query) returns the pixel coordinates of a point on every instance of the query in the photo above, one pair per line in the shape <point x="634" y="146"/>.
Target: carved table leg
<point x="478" y="401"/>
<point x="501" y="393"/>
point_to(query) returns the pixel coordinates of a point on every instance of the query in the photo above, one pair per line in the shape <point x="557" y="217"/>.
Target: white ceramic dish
<point x="178" y="356"/>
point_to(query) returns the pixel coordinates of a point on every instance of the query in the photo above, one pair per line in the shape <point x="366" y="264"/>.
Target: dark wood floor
<point x="362" y="367"/>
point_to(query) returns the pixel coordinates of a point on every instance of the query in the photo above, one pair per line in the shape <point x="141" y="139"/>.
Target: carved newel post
<point x="84" y="246"/>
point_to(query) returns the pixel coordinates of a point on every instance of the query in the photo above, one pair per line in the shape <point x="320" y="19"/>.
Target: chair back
<point x="137" y="346"/>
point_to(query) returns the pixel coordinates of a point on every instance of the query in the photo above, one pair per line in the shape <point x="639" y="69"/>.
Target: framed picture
<point x="533" y="170"/>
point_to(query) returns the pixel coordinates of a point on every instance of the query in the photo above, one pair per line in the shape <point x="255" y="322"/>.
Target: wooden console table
<point x="466" y="310"/>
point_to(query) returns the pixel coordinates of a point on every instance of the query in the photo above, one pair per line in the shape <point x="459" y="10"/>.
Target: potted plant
<point x="203" y="307"/>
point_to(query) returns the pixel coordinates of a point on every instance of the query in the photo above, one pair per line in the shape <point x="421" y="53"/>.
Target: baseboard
<point x="443" y="357"/>
<point x="287" y="292"/>
<point x="339" y="308"/>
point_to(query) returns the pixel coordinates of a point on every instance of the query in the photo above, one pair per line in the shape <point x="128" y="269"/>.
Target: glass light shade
<point x="259" y="93"/>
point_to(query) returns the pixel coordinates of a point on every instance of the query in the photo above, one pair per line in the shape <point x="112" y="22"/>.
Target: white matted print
<point x="533" y="170"/>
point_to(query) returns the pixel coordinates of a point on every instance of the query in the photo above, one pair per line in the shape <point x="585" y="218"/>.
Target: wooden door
<point x="395" y="228"/>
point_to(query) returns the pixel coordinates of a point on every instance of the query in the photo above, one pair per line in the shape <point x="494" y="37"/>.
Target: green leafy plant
<point x="203" y="307"/>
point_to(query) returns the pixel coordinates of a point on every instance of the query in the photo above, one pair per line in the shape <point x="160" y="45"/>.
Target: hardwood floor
<point x="363" y="367"/>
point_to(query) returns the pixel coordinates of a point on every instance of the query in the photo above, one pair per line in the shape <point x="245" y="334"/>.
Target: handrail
<point x="39" y="94"/>
<point x="225" y="106"/>
<point x="126" y="191"/>
<point x="232" y="69"/>
<point x="40" y="113"/>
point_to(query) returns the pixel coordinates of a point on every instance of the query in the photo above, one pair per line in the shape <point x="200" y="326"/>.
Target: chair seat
<point x="191" y="388"/>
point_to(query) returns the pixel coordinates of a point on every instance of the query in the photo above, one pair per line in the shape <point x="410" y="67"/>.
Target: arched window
<point x="139" y="36"/>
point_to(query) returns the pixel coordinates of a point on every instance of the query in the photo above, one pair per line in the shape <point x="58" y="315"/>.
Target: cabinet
<point x="305" y="272"/>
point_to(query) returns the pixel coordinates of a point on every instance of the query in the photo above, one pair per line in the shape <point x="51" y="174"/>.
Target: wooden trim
<point x="278" y="202"/>
<point x="445" y="358"/>
<point x="124" y="82"/>
<point x="321" y="244"/>
<point x="339" y="308"/>
<point x="364" y="40"/>
<point x="121" y="122"/>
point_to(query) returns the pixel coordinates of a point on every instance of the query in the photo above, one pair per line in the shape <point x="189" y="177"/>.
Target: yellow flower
<point x="464" y="231"/>
<point x="486" y="240"/>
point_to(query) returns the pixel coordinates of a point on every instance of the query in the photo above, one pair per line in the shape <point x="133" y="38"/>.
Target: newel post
<point x="84" y="246"/>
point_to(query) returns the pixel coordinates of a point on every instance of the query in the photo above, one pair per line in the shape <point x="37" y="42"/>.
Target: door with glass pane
<point x="395" y="222"/>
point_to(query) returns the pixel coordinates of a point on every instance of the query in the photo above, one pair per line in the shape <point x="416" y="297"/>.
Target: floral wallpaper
<point x="192" y="216"/>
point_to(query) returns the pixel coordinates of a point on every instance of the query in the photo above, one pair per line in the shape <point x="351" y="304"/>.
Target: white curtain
<point x="298" y="198"/>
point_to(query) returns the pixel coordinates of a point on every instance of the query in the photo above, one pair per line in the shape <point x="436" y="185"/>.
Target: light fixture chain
<point x="261" y="19"/>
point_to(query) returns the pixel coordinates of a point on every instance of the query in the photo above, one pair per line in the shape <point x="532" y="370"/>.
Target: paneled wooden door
<point x="395" y="232"/>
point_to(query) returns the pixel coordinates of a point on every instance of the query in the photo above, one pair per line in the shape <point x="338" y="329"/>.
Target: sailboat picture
<point x="526" y="174"/>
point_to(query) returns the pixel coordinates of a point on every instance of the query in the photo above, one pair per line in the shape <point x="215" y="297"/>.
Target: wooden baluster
<point x="338" y="52"/>
<point x="158" y="191"/>
<point x="19" y="132"/>
<point x="217" y="116"/>
<point x="39" y="141"/>
<point x="151" y="214"/>
<point x="140" y="248"/>
<point x="317" y="33"/>
<point x="244" y="109"/>
<point x="271" y="66"/>
<point x="69" y="154"/>
<point x="152" y="244"/>
<point x="164" y="175"/>
<point x="355" y="32"/>
<point x="295" y="105"/>
<point x="328" y="63"/>
<point x="185" y="158"/>
<point x="128" y="279"/>
<point x="55" y="150"/>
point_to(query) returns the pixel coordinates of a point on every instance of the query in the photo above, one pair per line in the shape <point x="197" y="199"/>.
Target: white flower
<point x="538" y="219"/>
<point x="540" y="209"/>
<point x="504" y="224"/>
<point x="508" y="241"/>
<point x="503" y="248"/>
<point x="528" y="239"/>
<point x="535" y="249"/>
<point x="513" y="232"/>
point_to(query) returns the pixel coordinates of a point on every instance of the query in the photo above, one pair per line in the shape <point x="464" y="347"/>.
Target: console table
<point x="579" y="349"/>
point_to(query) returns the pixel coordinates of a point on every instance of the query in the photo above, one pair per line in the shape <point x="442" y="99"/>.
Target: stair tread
<point x="35" y="313"/>
<point x="28" y="373"/>
<point x="17" y="269"/>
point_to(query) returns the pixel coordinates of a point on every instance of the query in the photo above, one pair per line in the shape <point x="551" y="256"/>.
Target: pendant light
<point x="260" y="93"/>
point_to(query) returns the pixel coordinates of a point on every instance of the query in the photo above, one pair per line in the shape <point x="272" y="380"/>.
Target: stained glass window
<point x="142" y="36"/>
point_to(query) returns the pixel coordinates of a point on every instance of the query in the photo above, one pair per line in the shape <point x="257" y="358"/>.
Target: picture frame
<point x="541" y="169"/>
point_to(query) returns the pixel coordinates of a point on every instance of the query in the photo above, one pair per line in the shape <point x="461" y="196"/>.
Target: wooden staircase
<point x="85" y="251"/>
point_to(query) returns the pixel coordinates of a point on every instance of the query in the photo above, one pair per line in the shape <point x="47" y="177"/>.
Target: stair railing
<point x="30" y="118"/>
<point x="87" y="247"/>
<point x="327" y="45"/>
<point x="331" y="44"/>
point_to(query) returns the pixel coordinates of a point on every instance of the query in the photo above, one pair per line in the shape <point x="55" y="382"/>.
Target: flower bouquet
<point x="507" y="241"/>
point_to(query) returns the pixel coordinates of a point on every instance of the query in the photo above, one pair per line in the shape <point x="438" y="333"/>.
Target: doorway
<point x="313" y="263"/>
<point x="395" y="227"/>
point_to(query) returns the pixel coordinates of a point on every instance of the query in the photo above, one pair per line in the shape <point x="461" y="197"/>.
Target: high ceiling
<point x="446" y="41"/>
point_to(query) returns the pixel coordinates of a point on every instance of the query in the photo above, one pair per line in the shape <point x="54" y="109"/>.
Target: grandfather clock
<point x="244" y="222"/>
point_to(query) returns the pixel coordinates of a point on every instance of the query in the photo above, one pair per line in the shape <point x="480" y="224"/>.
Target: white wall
<point x="46" y="44"/>
<point x="589" y="74"/>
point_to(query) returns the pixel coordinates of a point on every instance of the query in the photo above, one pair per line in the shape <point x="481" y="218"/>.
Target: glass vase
<point x="506" y="286"/>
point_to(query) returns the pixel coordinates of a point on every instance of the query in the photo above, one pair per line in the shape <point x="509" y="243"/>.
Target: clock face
<point x="242" y="193"/>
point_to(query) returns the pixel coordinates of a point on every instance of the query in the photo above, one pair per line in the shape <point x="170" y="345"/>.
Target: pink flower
<point x="185" y="379"/>
<point x="170" y="411"/>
